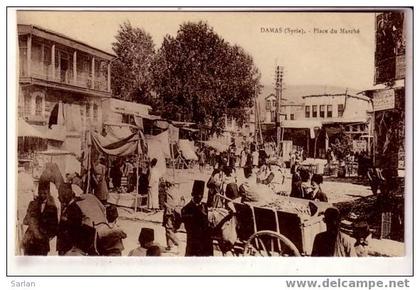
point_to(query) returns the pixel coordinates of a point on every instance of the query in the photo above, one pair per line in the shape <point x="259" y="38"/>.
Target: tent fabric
<point x="139" y="122"/>
<point x="26" y="130"/>
<point x="216" y="145"/>
<point x="187" y="149"/>
<point x="119" y="131"/>
<point x="92" y="209"/>
<point x="162" y="141"/>
<point x="161" y="124"/>
<point x="173" y="134"/>
<point x="158" y="147"/>
<point x="127" y="146"/>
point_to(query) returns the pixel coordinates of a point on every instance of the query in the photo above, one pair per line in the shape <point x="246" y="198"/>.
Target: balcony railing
<point x="83" y="79"/>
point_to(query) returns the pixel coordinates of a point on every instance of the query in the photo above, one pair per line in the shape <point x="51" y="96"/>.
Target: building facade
<point x="388" y="91"/>
<point x="55" y="70"/>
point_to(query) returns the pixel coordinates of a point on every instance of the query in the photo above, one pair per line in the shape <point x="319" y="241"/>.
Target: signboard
<point x="129" y="107"/>
<point x="400" y="67"/>
<point x="383" y="100"/>
<point x="359" y="145"/>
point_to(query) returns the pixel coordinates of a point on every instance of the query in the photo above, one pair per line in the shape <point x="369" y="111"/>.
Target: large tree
<point x="200" y="77"/>
<point x="131" y="78"/>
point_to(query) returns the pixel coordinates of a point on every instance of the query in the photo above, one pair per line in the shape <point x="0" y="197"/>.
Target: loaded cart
<point x="285" y="228"/>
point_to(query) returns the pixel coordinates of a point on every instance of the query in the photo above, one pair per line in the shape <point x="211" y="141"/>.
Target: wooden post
<point x="308" y="136"/>
<point x="75" y="67"/>
<point x="137" y="178"/>
<point x="88" y="165"/>
<point x="93" y="73"/>
<point x="53" y="61"/>
<point x="29" y="53"/>
<point x="109" y="76"/>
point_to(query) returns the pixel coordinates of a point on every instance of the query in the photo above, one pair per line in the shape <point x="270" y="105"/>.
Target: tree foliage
<point x="200" y="77"/>
<point x="343" y="144"/>
<point x="131" y="77"/>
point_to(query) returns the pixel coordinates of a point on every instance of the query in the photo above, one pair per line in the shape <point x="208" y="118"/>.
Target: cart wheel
<point x="269" y="243"/>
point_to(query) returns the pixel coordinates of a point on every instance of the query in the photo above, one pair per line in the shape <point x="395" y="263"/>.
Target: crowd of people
<point x="105" y="178"/>
<point x="45" y="221"/>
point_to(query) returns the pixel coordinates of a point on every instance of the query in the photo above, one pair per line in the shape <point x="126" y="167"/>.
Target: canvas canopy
<point x="187" y="149"/>
<point x="216" y="145"/>
<point x="127" y="146"/>
<point x="26" y="130"/>
<point x="158" y="147"/>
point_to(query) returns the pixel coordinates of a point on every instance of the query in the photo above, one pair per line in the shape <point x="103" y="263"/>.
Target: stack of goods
<point x="286" y="204"/>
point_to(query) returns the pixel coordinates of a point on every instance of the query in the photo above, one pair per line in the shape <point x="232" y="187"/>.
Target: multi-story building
<point x="339" y="111"/>
<point x="388" y="93"/>
<point x="55" y="70"/>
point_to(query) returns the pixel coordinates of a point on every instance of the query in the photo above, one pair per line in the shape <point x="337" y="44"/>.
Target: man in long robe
<point x="195" y="218"/>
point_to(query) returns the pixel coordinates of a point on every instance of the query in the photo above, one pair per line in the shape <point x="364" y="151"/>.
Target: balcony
<point x="43" y="73"/>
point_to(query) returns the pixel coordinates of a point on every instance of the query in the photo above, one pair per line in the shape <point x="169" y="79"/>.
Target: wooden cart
<point x="266" y="231"/>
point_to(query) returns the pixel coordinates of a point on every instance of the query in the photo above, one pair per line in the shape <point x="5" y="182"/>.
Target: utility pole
<point x="279" y="89"/>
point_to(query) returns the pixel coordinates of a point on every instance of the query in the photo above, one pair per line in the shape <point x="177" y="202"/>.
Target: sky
<point x="310" y="58"/>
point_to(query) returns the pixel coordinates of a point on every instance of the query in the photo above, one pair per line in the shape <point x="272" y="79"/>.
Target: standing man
<point x="128" y="170"/>
<point x="41" y="219"/>
<point x="71" y="218"/>
<point x="154" y="185"/>
<point x="195" y="217"/>
<point x="101" y="189"/>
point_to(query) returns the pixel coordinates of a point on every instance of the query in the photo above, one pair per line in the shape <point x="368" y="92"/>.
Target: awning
<point x="27" y="130"/>
<point x="301" y="124"/>
<point x="216" y="145"/>
<point x="53" y="152"/>
<point x="123" y="147"/>
<point x="180" y="123"/>
<point x="119" y="131"/>
<point x="344" y="120"/>
<point x="397" y="84"/>
<point x="189" y="129"/>
<point x="151" y="117"/>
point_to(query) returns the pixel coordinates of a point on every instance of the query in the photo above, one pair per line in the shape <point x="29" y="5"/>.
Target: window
<point x="307" y="111"/>
<point x="340" y="110"/>
<point x="285" y="116"/>
<point x="314" y="111"/>
<point x="274" y="104"/>
<point x="273" y="116"/>
<point x="87" y="110"/>
<point x="38" y="106"/>
<point x="125" y="118"/>
<point x="95" y="112"/>
<point x="292" y="116"/>
<point x="329" y="111"/>
<point x="22" y="55"/>
<point x="322" y="111"/>
<point x="267" y="105"/>
<point x="27" y="106"/>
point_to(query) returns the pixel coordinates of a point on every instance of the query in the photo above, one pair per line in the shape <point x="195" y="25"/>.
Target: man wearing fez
<point x="41" y="219"/>
<point x="195" y="217"/>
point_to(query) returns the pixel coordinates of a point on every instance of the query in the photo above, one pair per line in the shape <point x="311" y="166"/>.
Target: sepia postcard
<point x="260" y="141"/>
